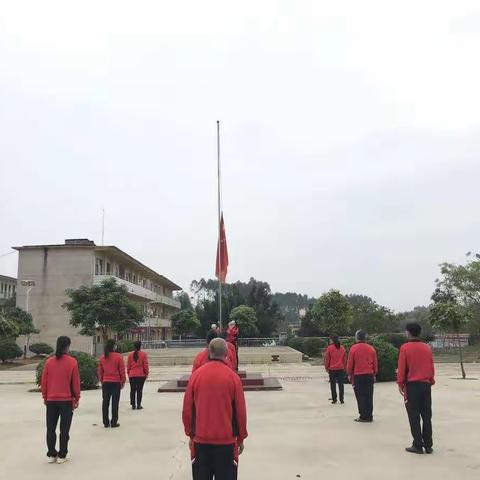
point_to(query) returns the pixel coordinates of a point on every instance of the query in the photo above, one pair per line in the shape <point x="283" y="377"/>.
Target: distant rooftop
<point x="86" y="243"/>
<point x="6" y="278"/>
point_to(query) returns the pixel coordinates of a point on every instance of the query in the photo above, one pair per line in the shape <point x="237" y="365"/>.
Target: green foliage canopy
<point x="105" y="306"/>
<point x="246" y="319"/>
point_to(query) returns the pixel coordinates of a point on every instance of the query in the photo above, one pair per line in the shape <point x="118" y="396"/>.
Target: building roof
<point x="6" y="278"/>
<point x="115" y="251"/>
<point x="125" y="256"/>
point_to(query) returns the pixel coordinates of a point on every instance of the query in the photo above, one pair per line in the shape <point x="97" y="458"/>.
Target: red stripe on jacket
<point x="137" y="368"/>
<point x="111" y="369"/>
<point x="202" y="358"/>
<point x="362" y="360"/>
<point x="335" y="358"/>
<point x="415" y="363"/>
<point x="214" y="409"/>
<point x="61" y="379"/>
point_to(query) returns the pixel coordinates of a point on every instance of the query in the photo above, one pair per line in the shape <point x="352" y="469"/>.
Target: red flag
<point x="221" y="266"/>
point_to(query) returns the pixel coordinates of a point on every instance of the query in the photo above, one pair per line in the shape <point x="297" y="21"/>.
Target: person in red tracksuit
<point x="362" y="367"/>
<point x="415" y="377"/>
<point x="203" y="357"/>
<point x="233" y="333"/>
<point x="137" y="369"/>
<point x="60" y="386"/>
<point x="111" y="373"/>
<point x="215" y="417"/>
<point x="335" y="361"/>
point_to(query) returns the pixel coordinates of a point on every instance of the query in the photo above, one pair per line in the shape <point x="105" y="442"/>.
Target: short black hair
<point x="414" y="329"/>
<point x="211" y="335"/>
<point x="361" y="335"/>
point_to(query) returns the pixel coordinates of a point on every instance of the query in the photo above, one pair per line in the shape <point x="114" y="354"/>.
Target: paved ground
<point x="295" y="433"/>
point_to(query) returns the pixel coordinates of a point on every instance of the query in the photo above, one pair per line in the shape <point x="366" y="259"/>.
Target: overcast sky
<point x="350" y="137"/>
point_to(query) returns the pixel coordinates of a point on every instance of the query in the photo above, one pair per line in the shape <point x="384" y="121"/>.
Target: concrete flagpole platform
<point x="247" y="355"/>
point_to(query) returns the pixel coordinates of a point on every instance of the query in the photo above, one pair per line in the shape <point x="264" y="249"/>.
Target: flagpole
<point x="219" y="228"/>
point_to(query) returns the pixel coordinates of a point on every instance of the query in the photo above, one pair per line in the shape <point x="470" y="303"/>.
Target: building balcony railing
<point x="156" y="322"/>
<point x="139" y="291"/>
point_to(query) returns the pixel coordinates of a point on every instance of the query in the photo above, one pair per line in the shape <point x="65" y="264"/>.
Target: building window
<point x="98" y="266"/>
<point x="109" y="267"/>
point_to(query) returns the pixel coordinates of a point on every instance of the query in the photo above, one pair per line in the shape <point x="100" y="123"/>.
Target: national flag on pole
<point x="221" y="266"/>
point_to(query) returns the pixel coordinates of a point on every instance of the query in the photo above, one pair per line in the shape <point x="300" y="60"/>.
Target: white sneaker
<point x="52" y="459"/>
<point x="61" y="460"/>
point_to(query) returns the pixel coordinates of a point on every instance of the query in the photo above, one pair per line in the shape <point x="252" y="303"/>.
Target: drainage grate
<point x="296" y="379"/>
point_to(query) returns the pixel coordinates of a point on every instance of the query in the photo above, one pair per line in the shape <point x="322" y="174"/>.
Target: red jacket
<point x="362" y="360"/>
<point x="232" y="356"/>
<point x="137" y="368"/>
<point x="232" y="334"/>
<point x="214" y="410"/>
<point x="415" y="363"/>
<point x="335" y="358"/>
<point x="202" y="358"/>
<point x="60" y="379"/>
<point x="111" y="369"/>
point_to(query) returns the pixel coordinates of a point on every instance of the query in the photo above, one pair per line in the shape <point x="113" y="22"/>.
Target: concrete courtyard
<point x="294" y="433"/>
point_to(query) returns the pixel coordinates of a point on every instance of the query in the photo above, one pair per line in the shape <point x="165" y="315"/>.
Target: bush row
<point x="9" y="350"/>
<point x="311" y="346"/>
<point x="87" y="366"/>
<point x="387" y="352"/>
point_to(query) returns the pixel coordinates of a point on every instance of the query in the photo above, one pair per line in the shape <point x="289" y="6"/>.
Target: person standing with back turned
<point x="111" y="373"/>
<point x="137" y="369"/>
<point x="60" y="386"/>
<point x="215" y="417"/>
<point x="233" y="333"/>
<point x="415" y="377"/>
<point x="362" y="367"/>
<point x="335" y="361"/>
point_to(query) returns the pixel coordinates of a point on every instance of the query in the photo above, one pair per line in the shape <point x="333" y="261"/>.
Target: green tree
<point x="463" y="281"/>
<point x="105" y="306"/>
<point x="370" y="316"/>
<point x="448" y="316"/>
<point x="246" y="319"/>
<point x="185" y="322"/>
<point x="8" y="328"/>
<point x="332" y="314"/>
<point x="185" y="302"/>
<point x="291" y="303"/>
<point x="255" y="294"/>
<point x="24" y="322"/>
<point x="308" y="326"/>
<point x="420" y="315"/>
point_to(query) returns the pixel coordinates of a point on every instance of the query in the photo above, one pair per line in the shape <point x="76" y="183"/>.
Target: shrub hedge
<point x="9" y="350"/>
<point x="41" y="348"/>
<point x="387" y="355"/>
<point x="87" y="366"/>
<point x="310" y="346"/>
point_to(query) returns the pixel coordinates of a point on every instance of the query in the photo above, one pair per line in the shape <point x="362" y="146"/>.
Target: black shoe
<point x="140" y="408"/>
<point x="334" y="402"/>
<point x="413" y="449"/>
<point x="106" y="426"/>
<point x="134" y="407"/>
<point x="428" y="450"/>
<point x="342" y="402"/>
<point x="363" y="420"/>
<point x="115" y="425"/>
